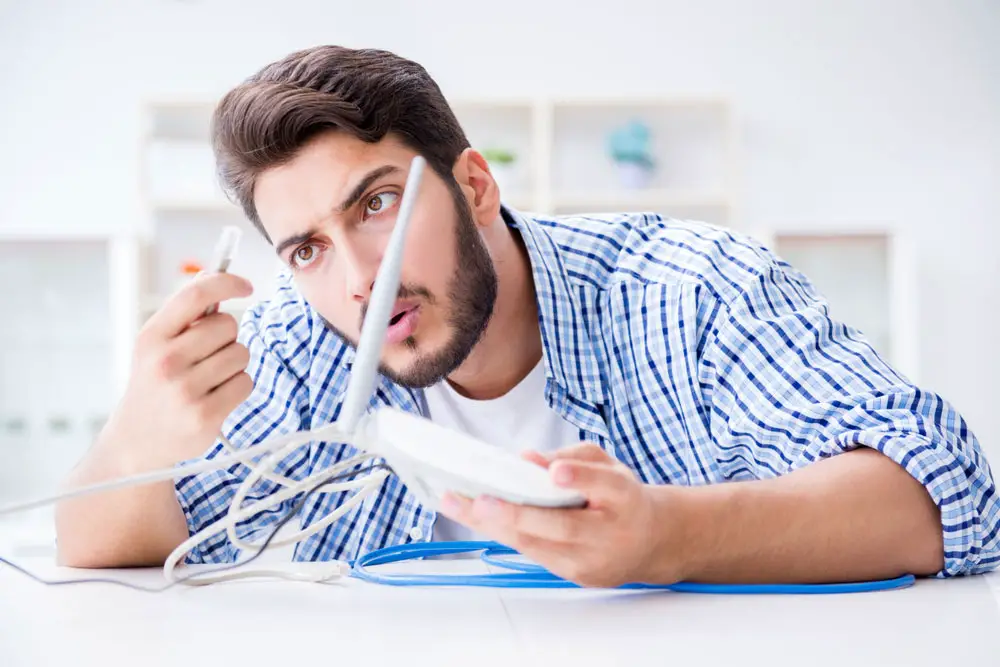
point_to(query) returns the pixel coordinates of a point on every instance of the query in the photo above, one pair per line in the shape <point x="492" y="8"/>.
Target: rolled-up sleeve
<point x="792" y="385"/>
<point x="277" y="405"/>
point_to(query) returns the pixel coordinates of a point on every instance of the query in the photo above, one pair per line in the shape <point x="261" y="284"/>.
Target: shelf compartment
<point x="690" y="144"/>
<point x="507" y="125"/>
<point x="867" y="274"/>
<point x="56" y="357"/>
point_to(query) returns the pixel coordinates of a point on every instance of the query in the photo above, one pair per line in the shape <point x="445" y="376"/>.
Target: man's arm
<point x="186" y="376"/>
<point x="853" y="517"/>
<point x="800" y="397"/>
<point x="839" y="468"/>
<point x="857" y="516"/>
<point x="142" y="525"/>
<point x="132" y="527"/>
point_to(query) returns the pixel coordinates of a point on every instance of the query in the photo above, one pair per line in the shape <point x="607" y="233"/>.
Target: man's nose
<point x="360" y="268"/>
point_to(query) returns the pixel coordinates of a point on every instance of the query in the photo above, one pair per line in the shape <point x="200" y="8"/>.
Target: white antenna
<point x="362" y="382"/>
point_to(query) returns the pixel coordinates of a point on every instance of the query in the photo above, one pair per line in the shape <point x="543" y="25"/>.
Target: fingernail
<point x="562" y="474"/>
<point x="449" y="504"/>
<point x="486" y="507"/>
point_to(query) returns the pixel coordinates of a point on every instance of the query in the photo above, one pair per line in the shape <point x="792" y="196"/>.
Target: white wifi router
<point x="431" y="459"/>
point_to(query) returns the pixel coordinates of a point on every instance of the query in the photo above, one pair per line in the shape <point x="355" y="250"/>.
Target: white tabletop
<point x="262" y="622"/>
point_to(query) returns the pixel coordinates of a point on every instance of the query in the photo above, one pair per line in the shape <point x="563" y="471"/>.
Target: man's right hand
<point x="187" y="376"/>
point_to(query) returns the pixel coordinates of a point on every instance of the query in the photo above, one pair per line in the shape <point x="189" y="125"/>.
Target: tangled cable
<point x="323" y="481"/>
<point x="364" y="480"/>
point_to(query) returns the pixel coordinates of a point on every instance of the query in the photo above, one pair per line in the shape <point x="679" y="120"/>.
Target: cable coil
<point x="530" y="575"/>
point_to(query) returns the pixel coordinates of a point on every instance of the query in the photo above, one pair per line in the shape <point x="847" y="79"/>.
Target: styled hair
<point x="368" y="93"/>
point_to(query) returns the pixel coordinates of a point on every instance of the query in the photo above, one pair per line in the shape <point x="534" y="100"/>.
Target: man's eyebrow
<point x="356" y="194"/>
<point x="365" y="183"/>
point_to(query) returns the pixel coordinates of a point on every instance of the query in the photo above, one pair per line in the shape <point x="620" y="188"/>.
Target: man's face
<point x="330" y="212"/>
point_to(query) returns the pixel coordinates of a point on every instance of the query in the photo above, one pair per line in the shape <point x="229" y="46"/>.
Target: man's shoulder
<point x="282" y="328"/>
<point x="606" y="249"/>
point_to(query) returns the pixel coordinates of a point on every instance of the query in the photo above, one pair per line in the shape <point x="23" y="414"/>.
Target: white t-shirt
<point x="520" y="420"/>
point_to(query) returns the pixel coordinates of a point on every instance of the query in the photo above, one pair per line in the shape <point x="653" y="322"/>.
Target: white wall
<point x="853" y="111"/>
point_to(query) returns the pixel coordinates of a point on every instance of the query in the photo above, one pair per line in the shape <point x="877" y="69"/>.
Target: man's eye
<point x="380" y="202"/>
<point x="305" y="255"/>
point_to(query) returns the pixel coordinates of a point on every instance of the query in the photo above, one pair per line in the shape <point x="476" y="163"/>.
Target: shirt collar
<point x="568" y="351"/>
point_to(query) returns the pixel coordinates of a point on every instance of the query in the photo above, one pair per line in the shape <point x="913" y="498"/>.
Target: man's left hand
<point x="612" y="541"/>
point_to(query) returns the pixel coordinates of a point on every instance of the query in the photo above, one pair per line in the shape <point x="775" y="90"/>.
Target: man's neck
<point x="511" y="346"/>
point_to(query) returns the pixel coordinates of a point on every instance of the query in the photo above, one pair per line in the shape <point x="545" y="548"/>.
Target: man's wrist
<point x="684" y="530"/>
<point x="118" y="451"/>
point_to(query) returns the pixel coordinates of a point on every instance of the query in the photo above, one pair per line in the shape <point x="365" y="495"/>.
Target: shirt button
<point x="416" y="533"/>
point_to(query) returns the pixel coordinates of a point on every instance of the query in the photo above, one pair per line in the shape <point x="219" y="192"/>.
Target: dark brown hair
<point x="369" y="93"/>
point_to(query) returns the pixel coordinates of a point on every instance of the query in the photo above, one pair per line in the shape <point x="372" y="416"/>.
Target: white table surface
<point x="272" y="622"/>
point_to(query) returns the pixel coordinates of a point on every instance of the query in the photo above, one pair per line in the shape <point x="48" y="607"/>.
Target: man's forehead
<point x="349" y="158"/>
<point x="308" y="190"/>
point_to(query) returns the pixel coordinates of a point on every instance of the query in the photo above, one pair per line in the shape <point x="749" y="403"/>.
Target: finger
<point x="218" y="368"/>
<point x="557" y="526"/>
<point x="564" y="547"/>
<point x="226" y="397"/>
<point x="491" y="517"/>
<point x="537" y="458"/>
<point x="205" y="338"/>
<point x="456" y="507"/>
<point x="603" y="484"/>
<point x="584" y="451"/>
<point x="460" y="508"/>
<point x="191" y="301"/>
<point x="508" y="522"/>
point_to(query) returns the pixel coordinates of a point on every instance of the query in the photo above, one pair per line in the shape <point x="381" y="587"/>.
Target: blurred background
<point x="859" y="139"/>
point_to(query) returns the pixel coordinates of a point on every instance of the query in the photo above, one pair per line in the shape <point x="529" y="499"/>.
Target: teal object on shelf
<point x="630" y="143"/>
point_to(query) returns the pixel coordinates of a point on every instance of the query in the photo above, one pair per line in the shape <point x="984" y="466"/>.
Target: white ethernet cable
<point x="358" y="394"/>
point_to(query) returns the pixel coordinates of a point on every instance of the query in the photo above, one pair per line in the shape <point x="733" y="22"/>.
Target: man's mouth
<point x="403" y="321"/>
<point x="400" y="310"/>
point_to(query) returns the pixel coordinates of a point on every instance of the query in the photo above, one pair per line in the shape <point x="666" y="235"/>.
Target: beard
<point x="472" y="293"/>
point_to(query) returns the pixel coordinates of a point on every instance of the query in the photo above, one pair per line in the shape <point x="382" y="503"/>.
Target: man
<point x="691" y="385"/>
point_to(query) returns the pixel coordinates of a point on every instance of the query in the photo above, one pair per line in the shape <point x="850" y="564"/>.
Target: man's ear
<point x="472" y="173"/>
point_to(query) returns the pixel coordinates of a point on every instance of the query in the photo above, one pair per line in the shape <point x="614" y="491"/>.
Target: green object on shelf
<point x="498" y="155"/>
<point x="630" y="144"/>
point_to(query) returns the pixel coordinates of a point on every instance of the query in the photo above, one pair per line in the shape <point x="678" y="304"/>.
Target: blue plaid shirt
<point x="686" y="351"/>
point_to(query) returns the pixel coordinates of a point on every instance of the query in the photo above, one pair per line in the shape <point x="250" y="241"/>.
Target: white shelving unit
<point x="563" y="163"/>
<point x="57" y="362"/>
<point x="868" y="274"/>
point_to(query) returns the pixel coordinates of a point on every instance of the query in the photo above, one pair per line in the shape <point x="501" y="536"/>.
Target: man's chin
<point x="410" y="379"/>
<point x="416" y="370"/>
<point x="409" y="362"/>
